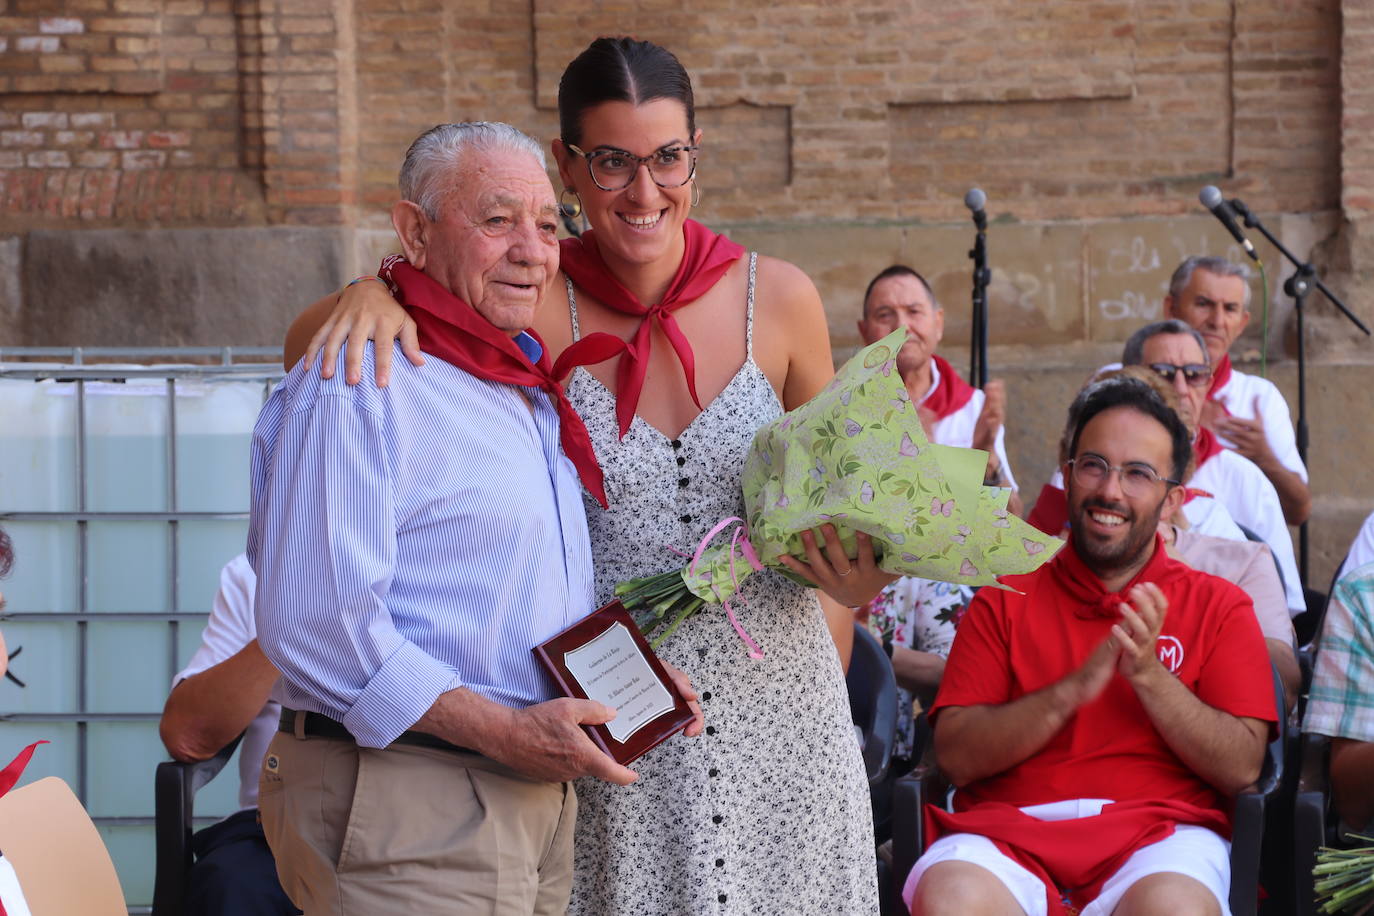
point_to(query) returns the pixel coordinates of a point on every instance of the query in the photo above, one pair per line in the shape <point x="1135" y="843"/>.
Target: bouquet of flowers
<point x="854" y="456"/>
<point x="1345" y="879"/>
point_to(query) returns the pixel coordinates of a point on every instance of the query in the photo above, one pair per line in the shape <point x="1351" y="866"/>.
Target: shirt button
<point x="713" y="772"/>
<point x="722" y="898"/>
<point x="706" y="695"/>
<point x="681" y="461"/>
<point x="720" y="863"/>
<point x="710" y="729"/>
<point x="683" y="481"/>
<point x="717" y="819"/>
<point x="685" y="519"/>
<point x="677" y="443"/>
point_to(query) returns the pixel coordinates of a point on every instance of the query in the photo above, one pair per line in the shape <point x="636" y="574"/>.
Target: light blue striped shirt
<point x="410" y="540"/>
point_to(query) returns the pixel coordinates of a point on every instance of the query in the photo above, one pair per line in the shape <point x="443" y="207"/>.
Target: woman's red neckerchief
<point x="706" y="258"/>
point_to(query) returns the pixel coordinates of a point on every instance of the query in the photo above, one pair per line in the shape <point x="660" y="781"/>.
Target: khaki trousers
<point x="412" y="830"/>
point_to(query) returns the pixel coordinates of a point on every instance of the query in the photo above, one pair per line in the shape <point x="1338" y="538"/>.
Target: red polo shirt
<point x="1012" y="644"/>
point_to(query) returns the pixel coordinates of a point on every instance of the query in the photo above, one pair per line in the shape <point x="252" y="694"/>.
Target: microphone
<point x="1211" y="198"/>
<point x="974" y="200"/>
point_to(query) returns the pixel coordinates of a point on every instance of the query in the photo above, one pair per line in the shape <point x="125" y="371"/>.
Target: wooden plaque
<point x="604" y="657"/>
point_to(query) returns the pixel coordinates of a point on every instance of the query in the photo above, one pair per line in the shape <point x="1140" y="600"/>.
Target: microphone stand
<point x="1297" y="287"/>
<point x="978" y="335"/>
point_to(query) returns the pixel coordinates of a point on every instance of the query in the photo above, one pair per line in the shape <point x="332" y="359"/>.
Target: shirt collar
<point x="529" y="346"/>
<point x="934" y="381"/>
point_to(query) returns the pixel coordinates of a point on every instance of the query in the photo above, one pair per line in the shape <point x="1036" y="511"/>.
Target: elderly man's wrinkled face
<point x="902" y="302"/>
<point x="1215" y="306"/>
<point x="494" y="244"/>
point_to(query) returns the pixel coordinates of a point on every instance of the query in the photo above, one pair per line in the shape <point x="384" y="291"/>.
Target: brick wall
<point x="296" y="111"/>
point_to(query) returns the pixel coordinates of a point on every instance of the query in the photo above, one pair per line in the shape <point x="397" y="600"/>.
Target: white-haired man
<point x="412" y="543"/>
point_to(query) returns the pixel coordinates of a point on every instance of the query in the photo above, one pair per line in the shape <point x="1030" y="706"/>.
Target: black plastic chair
<point x="1314" y="823"/>
<point x="174" y="794"/>
<point x="873" y="707"/>
<point x="925" y="783"/>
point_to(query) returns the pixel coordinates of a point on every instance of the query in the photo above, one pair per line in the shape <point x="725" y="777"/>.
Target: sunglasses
<point x="1195" y="374"/>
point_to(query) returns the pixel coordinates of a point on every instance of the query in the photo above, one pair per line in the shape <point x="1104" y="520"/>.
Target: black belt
<point x="321" y="726"/>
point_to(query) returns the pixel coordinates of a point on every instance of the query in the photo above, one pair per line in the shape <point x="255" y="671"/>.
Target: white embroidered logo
<point x="1170" y="653"/>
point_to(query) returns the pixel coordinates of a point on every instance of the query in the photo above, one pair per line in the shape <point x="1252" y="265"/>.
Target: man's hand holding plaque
<point x="605" y="658"/>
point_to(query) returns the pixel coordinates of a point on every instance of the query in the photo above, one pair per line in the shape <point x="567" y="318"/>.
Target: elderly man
<point x="955" y="413"/>
<point x="1098" y="718"/>
<point x="1176" y="352"/>
<point x="1247" y="412"/>
<point x="412" y="544"/>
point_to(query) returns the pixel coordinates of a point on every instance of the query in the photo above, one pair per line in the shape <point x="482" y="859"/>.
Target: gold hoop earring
<point x="571" y="210"/>
<point x="696" y="193"/>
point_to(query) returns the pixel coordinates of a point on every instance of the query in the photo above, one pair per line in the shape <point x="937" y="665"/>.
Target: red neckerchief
<point x="1205" y="446"/>
<point x="1192" y="493"/>
<point x="706" y="259"/>
<point x="1051" y="512"/>
<point x="1220" y="376"/>
<point x="1076" y="855"/>
<point x="950" y="394"/>
<point x="1079" y="582"/>
<point x="453" y="331"/>
<point x="15" y="768"/>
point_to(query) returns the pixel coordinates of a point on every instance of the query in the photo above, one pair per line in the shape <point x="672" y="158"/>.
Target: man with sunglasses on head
<point x="1247" y="412"/>
<point x="1178" y="354"/>
<point x="1099" y="716"/>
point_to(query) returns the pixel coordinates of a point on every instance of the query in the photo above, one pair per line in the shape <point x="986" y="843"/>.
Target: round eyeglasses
<point x="1195" y="374"/>
<point x="614" y="169"/>
<point x="1091" y="471"/>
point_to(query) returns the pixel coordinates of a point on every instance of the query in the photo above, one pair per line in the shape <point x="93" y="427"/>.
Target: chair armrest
<point x="1309" y="819"/>
<point x="908" y="828"/>
<point x="873" y="702"/>
<point x="1246" y="840"/>
<point x="174" y="790"/>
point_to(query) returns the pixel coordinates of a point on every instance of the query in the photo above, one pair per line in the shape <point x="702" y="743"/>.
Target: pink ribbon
<point x="739" y="539"/>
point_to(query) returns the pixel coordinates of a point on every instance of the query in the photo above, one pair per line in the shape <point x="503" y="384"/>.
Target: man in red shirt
<point x="1099" y="719"/>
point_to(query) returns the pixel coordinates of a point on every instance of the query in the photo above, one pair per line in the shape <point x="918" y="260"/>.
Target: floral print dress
<point x="766" y="812"/>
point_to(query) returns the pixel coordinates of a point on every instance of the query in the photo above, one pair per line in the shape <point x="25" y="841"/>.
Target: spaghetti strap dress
<point x="767" y="811"/>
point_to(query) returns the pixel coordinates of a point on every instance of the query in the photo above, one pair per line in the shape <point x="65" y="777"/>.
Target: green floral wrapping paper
<point x="856" y="456"/>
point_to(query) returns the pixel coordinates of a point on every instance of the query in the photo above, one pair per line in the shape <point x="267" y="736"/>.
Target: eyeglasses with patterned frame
<point x="613" y="169"/>
<point x="1137" y="480"/>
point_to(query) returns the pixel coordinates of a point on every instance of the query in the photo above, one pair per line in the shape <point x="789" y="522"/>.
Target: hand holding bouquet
<point x="854" y="457"/>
